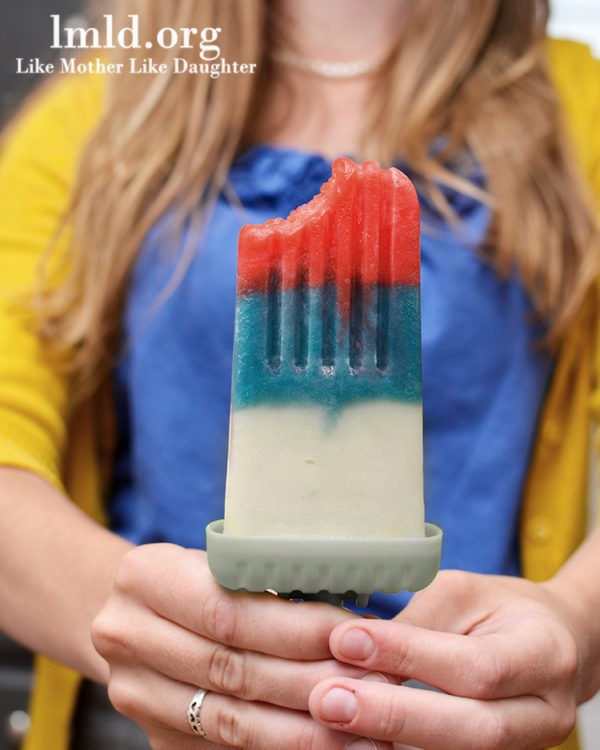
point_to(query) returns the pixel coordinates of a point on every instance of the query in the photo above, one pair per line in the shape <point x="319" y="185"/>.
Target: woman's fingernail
<point x="375" y="677"/>
<point x="356" y="644"/>
<point x="338" y="705"/>
<point x="361" y="744"/>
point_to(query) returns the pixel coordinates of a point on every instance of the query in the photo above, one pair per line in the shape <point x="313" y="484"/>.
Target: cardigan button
<point x="551" y="432"/>
<point x="539" y="530"/>
<point x="17" y="726"/>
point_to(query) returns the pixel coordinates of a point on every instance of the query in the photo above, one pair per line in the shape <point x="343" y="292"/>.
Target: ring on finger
<point x="194" y="712"/>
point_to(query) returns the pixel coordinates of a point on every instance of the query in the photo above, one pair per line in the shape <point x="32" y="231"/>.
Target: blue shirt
<point x="484" y="374"/>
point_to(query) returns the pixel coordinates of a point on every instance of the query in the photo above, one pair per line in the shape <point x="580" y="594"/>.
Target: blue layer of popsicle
<point x="298" y="348"/>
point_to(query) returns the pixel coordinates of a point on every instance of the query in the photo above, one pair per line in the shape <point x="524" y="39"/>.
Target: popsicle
<point x="326" y="414"/>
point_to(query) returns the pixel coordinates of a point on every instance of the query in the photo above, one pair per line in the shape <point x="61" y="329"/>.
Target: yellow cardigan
<point x="38" y="431"/>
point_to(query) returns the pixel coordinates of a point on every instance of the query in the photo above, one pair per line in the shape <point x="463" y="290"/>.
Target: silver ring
<point x="194" y="712"/>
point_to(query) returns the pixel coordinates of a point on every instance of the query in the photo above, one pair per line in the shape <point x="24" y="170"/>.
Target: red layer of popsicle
<point x="364" y="226"/>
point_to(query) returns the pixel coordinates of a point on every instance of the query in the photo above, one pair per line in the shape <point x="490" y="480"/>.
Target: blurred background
<point x="25" y="31"/>
<point x="579" y="20"/>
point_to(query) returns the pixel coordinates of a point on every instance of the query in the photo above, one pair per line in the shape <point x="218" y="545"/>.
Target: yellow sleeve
<point x="576" y="74"/>
<point x="38" y="164"/>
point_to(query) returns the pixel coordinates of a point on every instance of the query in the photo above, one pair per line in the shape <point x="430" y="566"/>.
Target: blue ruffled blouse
<point x="484" y="374"/>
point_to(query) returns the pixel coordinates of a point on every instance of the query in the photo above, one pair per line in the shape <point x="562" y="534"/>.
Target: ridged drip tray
<point x="330" y="569"/>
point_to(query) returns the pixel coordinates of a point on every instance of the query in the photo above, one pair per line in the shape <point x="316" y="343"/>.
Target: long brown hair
<point x="475" y="73"/>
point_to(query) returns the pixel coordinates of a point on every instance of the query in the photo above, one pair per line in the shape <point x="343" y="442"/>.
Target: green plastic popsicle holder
<point x="331" y="569"/>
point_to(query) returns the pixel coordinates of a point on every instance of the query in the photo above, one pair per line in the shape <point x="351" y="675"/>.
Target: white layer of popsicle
<point x="298" y="470"/>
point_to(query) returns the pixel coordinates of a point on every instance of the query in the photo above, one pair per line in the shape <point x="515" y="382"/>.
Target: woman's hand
<point x="169" y="629"/>
<point x="510" y="655"/>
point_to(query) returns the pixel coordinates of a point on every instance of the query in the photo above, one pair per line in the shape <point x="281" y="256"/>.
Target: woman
<point x="465" y="104"/>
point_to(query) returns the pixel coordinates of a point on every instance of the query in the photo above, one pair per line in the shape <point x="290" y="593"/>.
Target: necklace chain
<point x="336" y="70"/>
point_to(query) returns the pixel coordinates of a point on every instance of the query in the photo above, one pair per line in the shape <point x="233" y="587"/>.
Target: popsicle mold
<point x="326" y="419"/>
<point x="331" y="569"/>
